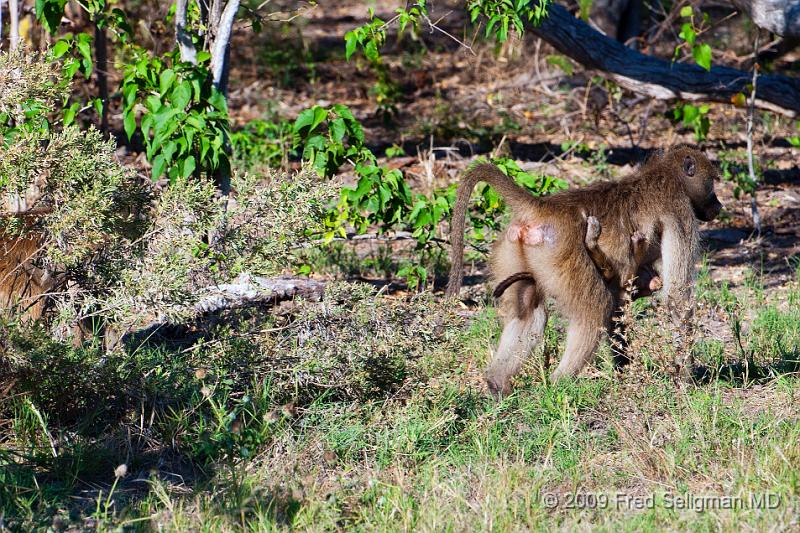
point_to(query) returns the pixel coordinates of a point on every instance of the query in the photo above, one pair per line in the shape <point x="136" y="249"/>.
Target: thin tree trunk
<point x="101" y="69"/>
<point x="220" y="59"/>
<point x="13" y="11"/>
<point x="182" y="36"/>
<point x="220" y="53"/>
<point x="750" y="166"/>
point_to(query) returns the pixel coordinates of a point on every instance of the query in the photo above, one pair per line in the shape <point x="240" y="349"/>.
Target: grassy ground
<point x="212" y="446"/>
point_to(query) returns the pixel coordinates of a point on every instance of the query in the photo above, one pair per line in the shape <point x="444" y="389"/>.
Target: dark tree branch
<point x="660" y="78"/>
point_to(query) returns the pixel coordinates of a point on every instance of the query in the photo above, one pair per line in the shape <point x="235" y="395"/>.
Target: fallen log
<point x="248" y="290"/>
<point x="660" y="78"/>
<point x="245" y="291"/>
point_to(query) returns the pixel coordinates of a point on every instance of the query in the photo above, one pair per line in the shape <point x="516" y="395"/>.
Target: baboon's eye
<point x="689" y="166"/>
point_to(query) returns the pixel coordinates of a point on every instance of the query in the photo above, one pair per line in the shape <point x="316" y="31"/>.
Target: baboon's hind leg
<point x="520" y="336"/>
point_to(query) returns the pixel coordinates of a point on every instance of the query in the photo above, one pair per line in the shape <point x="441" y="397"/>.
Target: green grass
<point x="215" y="438"/>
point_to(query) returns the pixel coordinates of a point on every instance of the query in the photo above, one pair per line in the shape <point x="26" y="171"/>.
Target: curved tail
<point x="512" y="193"/>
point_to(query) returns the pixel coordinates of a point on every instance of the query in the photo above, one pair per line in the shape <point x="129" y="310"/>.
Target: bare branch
<point x="750" y="166"/>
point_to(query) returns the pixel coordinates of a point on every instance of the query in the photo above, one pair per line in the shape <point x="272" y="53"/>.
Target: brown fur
<point x="661" y="202"/>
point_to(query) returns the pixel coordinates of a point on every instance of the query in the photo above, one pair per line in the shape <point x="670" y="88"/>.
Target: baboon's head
<point x="698" y="175"/>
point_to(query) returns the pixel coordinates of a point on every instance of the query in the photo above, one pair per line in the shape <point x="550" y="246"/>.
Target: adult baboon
<point x="662" y="201"/>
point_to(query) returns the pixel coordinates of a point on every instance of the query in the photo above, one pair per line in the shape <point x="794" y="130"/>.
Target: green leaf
<point x="85" y="49"/>
<point x="129" y="123"/>
<point x="129" y="94"/>
<point x="188" y="166"/>
<point x="687" y="33"/>
<point x="60" y="48"/>
<point x="71" y="66"/>
<point x="158" y="167"/>
<point x="351" y="41"/>
<point x="343" y="111"/>
<point x="702" y="55"/>
<point x="371" y="51"/>
<point x="305" y="119"/>
<point x="181" y="95"/>
<point x="69" y="114"/>
<point x="50" y="12"/>
<point x="165" y="80"/>
<point x="217" y="99"/>
<point x="337" y="129"/>
<point x="686" y="11"/>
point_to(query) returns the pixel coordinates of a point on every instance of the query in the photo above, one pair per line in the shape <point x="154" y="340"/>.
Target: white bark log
<point x="244" y="291"/>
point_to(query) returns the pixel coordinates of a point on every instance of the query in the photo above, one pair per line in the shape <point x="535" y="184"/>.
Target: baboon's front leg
<point x="678" y="251"/>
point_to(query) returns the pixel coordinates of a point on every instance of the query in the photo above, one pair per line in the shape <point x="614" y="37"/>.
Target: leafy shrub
<point x="89" y="202"/>
<point x="27" y="89"/>
<point x="701" y="52"/>
<point x="328" y="138"/>
<point x="255" y="233"/>
<point x="262" y="143"/>
<point x="184" y="120"/>
<point x="502" y="15"/>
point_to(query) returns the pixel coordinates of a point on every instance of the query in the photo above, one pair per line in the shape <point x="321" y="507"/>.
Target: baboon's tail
<point x="510" y="280"/>
<point x="512" y="193"/>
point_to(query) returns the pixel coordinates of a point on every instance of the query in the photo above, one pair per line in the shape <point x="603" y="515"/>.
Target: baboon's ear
<point x="689" y="165"/>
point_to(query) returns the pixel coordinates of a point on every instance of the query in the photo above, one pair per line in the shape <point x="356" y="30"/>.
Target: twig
<point x="434" y="26"/>
<point x="536" y="48"/>
<point x="750" y="166"/>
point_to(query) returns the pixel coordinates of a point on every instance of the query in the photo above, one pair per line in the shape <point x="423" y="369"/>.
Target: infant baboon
<point x="646" y="281"/>
<point x="662" y="201"/>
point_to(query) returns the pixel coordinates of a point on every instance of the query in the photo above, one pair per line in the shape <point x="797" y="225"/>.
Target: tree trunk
<point x="13" y="12"/>
<point x="182" y="36"/>
<point x="657" y="77"/>
<point x="101" y="70"/>
<point x="220" y="53"/>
